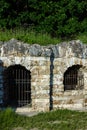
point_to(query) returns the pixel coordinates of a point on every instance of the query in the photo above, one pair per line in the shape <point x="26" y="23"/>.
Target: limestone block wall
<point x="47" y="66"/>
<point x="69" y="98"/>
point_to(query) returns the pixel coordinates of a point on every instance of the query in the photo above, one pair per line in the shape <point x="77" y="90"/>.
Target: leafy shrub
<point x="59" y="18"/>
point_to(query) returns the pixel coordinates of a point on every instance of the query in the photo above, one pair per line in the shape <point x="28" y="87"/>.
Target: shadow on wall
<point x="51" y="79"/>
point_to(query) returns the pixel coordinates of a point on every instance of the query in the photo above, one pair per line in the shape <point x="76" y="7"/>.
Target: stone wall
<point x="47" y="65"/>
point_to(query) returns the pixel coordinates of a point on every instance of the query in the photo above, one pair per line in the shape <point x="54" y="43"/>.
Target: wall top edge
<point x="74" y="48"/>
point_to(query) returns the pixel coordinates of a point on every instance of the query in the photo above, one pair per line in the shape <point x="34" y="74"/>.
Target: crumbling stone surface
<point x="76" y="48"/>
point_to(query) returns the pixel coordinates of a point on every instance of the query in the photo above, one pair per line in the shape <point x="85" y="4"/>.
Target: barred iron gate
<point x="17" y="86"/>
<point x="73" y="78"/>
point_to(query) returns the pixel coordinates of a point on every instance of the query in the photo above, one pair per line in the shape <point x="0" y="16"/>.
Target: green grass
<point x="54" y="120"/>
<point x="32" y="37"/>
<point x="28" y="36"/>
<point x="82" y="37"/>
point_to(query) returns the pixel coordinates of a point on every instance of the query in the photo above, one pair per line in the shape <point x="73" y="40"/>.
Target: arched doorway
<point x="17" y="86"/>
<point x="73" y="78"/>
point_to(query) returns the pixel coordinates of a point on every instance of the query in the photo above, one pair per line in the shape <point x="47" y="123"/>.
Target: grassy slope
<point x="31" y="37"/>
<point x="54" y="120"/>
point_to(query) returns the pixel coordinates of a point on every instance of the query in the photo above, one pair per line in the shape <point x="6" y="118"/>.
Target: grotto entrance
<point x="17" y="86"/>
<point x="73" y="78"/>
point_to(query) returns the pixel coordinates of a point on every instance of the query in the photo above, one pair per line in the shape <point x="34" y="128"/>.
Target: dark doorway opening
<point x="17" y="86"/>
<point x="73" y="78"/>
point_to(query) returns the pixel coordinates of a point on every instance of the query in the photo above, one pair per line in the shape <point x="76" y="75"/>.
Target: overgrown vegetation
<point x="54" y="120"/>
<point x="32" y="37"/>
<point x="28" y="36"/>
<point x="59" y="18"/>
<point x="44" y="21"/>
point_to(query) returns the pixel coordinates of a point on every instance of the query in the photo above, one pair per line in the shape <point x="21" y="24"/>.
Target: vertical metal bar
<point x="19" y="95"/>
<point x="25" y="79"/>
<point x="25" y="76"/>
<point x="65" y="82"/>
<point x="78" y="80"/>
<point x="70" y="85"/>
<point x="23" y="86"/>
<point x="8" y="86"/>
<point x="28" y="89"/>
<point x="29" y="85"/>
<point x="69" y="80"/>
<point x="74" y="79"/>
<point x="16" y="85"/>
<point x="20" y="86"/>
<point x="75" y="83"/>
